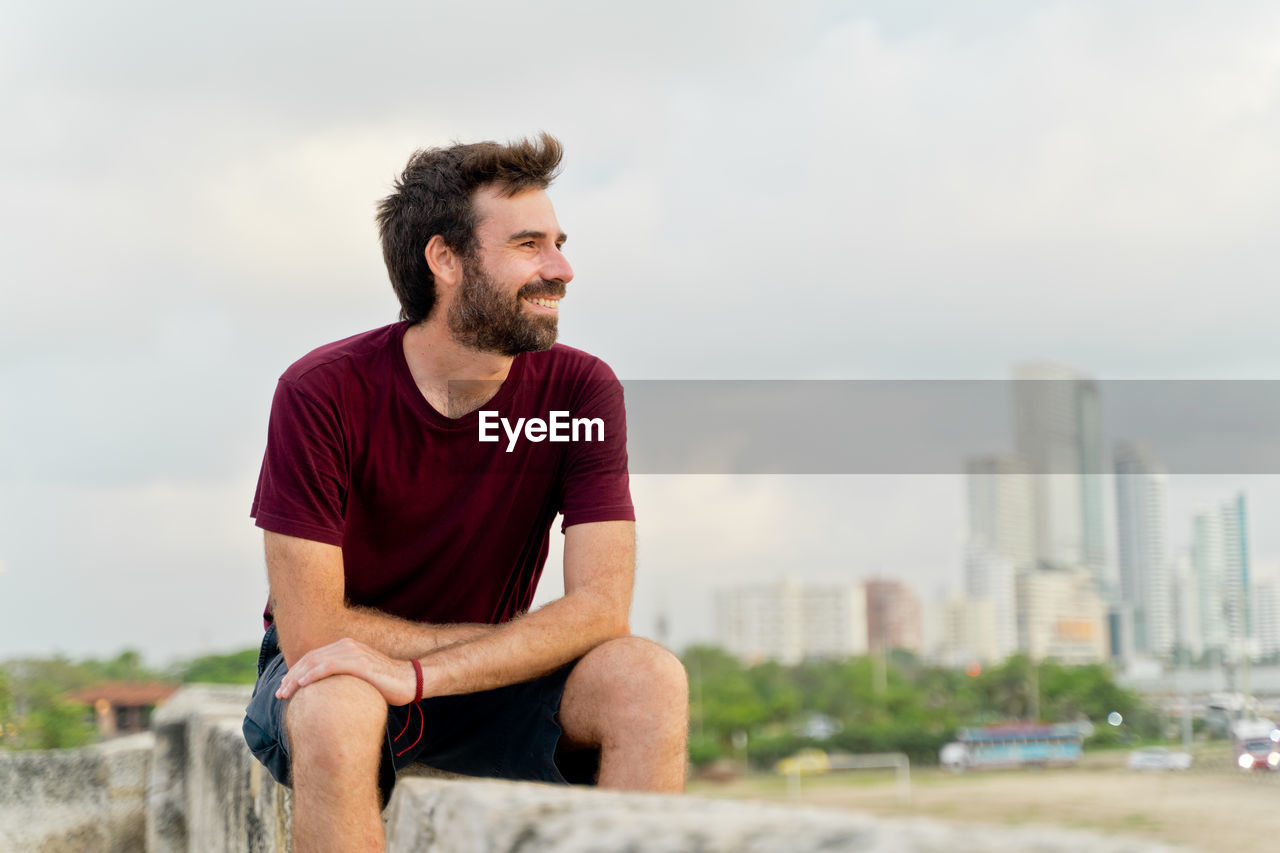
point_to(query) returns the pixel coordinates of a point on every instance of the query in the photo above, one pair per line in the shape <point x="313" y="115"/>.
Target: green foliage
<point x="35" y="712"/>
<point x="60" y="724"/>
<point x="38" y="714"/>
<point x="704" y="750"/>
<point x="6" y="698"/>
<point x="235" y="668"/>
<point x="126" y="666"/>
<point x="894" y="705"/>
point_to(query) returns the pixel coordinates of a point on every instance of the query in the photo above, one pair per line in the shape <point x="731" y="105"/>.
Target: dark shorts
<point x="507" y="733"/>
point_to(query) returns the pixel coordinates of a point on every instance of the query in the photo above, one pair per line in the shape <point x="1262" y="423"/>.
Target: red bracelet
<point x="417" y="674"/>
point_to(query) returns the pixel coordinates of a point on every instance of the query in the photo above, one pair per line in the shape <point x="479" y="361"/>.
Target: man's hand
<point x="394" y="679"/>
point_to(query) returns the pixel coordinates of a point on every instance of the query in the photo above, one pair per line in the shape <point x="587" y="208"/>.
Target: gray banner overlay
<point x="937" y="427"/>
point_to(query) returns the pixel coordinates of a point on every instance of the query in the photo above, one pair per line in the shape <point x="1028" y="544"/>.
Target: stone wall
<point x="205" y="794"/>
<point x="67" y="801"/>
<point x="505" y="817"/>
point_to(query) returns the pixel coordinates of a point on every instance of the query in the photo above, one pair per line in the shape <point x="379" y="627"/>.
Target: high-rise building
<point x="1188" y="635"/>
<point x="1000" y="510"/>
<point x="1210" y="575"/>
<point x="893" y="616"/>
<point x="1235" y="562"/>
<point x="790" y="622"/>
<point x="1057" y="428"/>
<point x="1266" y="617"/>
<point x="1141" y="522"/>
<point x="1220" y="560"/>
<point x="992" y="579"/>
<point x="1001" y="542"/>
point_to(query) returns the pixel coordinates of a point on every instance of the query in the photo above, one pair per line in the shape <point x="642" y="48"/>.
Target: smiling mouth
<point x="544" y="302"/>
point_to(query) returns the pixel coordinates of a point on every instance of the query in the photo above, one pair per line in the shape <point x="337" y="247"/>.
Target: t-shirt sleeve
<point x="302" y="487"/>
<point x="597" y="486"/>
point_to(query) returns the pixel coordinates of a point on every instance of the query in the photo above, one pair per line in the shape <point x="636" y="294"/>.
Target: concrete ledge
<point x="203" y="792"/>
<point x="206" y="792"/>
<point x="59" y="801"/>
<point x="495" y="817"/>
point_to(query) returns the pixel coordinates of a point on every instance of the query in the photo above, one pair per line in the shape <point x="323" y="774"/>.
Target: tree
<point x="60" y="724"/>
<point x="235" y="668"/>
<point x="126" y="666"/>
<point x="7" y="722"/>
<point x="6" y="698"/>
<point x="41" y="712"/>
<point x="1010" y="688"/>
<point x="917" y="712"/>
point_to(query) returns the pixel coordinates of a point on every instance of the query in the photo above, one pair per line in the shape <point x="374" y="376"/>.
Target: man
<point x="404" y="542"/>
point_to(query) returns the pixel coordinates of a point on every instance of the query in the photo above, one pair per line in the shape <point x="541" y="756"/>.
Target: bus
<point x="1015" y="745"/>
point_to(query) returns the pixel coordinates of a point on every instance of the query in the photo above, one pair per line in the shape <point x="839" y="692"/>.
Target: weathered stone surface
<point x="496" y="817"/>
<point x="60" y="801"/>
<point x="205" y="793"/>
<point x="201" y="766"/>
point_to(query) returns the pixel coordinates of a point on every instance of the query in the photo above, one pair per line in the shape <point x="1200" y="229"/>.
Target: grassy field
<point x="1212" y="807"/>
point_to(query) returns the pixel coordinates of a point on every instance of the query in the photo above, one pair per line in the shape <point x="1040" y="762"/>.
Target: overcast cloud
<point x="826" y="190"/>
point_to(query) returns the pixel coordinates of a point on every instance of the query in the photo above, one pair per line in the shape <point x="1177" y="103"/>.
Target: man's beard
<point x="485" y="317"/>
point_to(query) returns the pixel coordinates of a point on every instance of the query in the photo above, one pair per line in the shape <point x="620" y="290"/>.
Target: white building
<point x="1210" y="575"/>
<point x="789" y="622"/>
<point x="1061" y="616"/>
<point x="1266" y="616"/>
<point x="1142" y="525"/>
<point x="1057" y="428"/>
<point x="992" y="579"/>
<point x="1236" y="566"/>
<point x="1188" y="636"/>
<point x="1001" y="541"/>
<point x="1220" y="560"/>
<point x="1000" y="508"/>
<point x="963" y="631"/>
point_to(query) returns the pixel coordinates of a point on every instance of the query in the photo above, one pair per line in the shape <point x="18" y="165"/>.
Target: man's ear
<point x="445" y="263"/>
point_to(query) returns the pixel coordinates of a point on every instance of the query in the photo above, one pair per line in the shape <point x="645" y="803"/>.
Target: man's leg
<point x="336" y="727"/>
<point x="631" y="698"/>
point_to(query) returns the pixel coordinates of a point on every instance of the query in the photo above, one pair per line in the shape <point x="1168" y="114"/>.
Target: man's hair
<point x="434" y="196"/>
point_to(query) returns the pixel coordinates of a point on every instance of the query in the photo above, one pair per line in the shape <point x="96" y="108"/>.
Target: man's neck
<point x="455" y="379"/>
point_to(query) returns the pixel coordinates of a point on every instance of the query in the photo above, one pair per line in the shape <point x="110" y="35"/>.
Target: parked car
<point x="1158" y="758"/>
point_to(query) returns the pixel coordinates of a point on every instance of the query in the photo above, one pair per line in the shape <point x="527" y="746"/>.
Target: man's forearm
<point x="525" y="648"/>
<point x="391" y="635"/>
<point x="402" y="638"/>
<point x="506" y="654"/>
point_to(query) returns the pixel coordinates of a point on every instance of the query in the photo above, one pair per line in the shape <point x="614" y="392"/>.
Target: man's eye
<point x="528" y="243"/>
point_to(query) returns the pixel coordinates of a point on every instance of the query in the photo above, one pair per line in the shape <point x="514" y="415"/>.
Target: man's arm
<point x="599" y="567"/>
<point x="309" y="607"/>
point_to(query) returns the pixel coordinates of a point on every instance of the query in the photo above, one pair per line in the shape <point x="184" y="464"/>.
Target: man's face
<point x="508" y="299"/>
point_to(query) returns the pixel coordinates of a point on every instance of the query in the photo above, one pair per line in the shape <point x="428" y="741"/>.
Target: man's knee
<point x="633" y="677"/>
<point x="336" y="720"/>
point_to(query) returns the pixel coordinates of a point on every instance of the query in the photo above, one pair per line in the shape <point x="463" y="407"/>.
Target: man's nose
<point x="556" y="267"/>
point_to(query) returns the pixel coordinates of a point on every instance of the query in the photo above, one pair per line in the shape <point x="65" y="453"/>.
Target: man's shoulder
<point x="563" y="363"/>
<point x="349" y="356"/>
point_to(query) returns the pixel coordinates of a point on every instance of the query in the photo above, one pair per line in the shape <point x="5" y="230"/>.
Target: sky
<point x="821" y="190"/>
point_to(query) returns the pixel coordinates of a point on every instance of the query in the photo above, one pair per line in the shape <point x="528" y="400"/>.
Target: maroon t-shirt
<point x="436" y="525"/>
